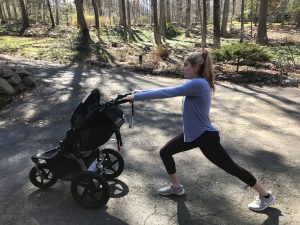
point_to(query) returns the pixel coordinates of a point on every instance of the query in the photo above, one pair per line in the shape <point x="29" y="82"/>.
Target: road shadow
<point x="273" y="216"/>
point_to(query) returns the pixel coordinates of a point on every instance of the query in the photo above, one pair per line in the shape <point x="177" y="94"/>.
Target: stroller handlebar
<point x="118" y="101"/>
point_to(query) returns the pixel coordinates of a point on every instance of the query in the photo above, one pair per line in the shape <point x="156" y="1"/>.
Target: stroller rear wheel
<point x="90" y="190"/>
<point x="113" y="163"/>
<point x="43" y="177"/>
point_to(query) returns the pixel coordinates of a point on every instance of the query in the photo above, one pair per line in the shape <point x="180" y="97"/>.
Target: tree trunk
<point x="232" y="14"/>
<point x="188" y="19"/>
<point x="162" y="19"/>
<point x="208" y="9"/>
<point x="100" y="8"/>
<point x="283" y="8"/>
<point x="24" y="17"/>
<point x="8" y="9"/>
<point x="96" y="13"/>
<point x="224" y="32"/>
<point x="155" y="23"/>
<point x="251" y="18"/>
<point x="216" y="19"/>
<point x="298" y="20"/>
<point x="15" y="9"/>
<point x="255" y="15"/>
<point x="179" y="11"/>
<point x="57" y="12"/>
<point x="199" y="12"/>
<point x="129" y="21"/>
<point x="51" y="15"/>
<point x="121" y="22"/>
<point x="168" y="11"/>
<point x="81" y="22"/>
<point x="1" y="15"/>
<point x="204" y="25"/>
<point x="242" y="21"/>
<point x="262" y="37"/>
<point x="44" y="11"/>
<point x="123" y="4"/>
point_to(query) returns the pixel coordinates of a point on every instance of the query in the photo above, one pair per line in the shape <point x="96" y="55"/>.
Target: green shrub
<point x="172" y="31"/>
<point x="241" y="52"/>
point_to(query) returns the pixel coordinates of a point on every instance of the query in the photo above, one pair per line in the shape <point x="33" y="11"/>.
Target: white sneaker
<point x="171" y="190"/>
<point x="261" y="202"/>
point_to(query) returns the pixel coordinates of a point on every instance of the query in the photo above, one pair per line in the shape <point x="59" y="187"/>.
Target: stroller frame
<point x="79" y="158"/>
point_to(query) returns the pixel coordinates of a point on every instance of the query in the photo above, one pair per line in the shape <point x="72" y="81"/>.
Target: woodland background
<point x="251" y="41"/>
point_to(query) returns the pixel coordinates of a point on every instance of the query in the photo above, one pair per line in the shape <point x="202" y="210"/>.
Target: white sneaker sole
<point x="167" y="194"/>
<point x="261" y="209"/>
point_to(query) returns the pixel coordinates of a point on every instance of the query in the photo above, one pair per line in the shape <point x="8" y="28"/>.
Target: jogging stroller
<point x="79" y="158"/>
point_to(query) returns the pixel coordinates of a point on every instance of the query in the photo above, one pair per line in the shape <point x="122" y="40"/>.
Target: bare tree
<point x="199" y="13"/>
<point x="168" y="11"/>
<point x="120" y="3"/>
<point x="85" y="38"/>
<point x="155" y="22"/>
<point x="100" y="7"/>
<point x="179" y="11"/>
<point x="129" y="20"/>
<point x="242" y="21"/>
<point x="57" y="12"/>
<point x="7" y="9"/>
<point x="188" y="18"/>
<point x="204" y="25"/>
<point x="124" y="19"/>
<point x="51" y="15"/>
<point x="232" y="14"/>
<point x="24" y="17"/>
<point x="224" y="31"/>
<point x="15" y="9"/>
<point x="162" y="20"/>
<point x="1" y="14"/>
<point x="216" y="20"/>
<point x="96" y="13"/>
<point x="262" y="37"/>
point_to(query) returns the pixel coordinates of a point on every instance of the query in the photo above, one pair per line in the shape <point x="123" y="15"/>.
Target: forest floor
<point x="108" y="49"/>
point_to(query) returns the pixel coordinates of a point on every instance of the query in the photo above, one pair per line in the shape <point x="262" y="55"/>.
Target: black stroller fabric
<point x="92" y="124"/>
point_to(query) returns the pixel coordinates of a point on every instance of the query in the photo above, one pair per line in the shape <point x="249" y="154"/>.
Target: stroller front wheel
<point x="90" y="190"/>
<point x="42" y="177"/>
<point x="113" y="164"/>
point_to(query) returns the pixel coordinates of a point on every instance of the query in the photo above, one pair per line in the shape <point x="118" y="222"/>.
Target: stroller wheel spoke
<point x="114" y="162"/>
<point x="90" y="190"/>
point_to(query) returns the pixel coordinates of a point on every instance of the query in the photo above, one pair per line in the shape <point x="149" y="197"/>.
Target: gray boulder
<point x="14" y="80"/>
<point x="5" y="87"/>
<point x="28" y="81"/>
<point x="6" y="73"/>
<point x="22" y="72"/>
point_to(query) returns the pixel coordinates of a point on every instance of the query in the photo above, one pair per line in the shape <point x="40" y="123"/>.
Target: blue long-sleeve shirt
<point x="196" y="103"/>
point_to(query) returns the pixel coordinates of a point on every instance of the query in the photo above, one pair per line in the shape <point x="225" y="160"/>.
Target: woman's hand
<point x="128" y="98"/>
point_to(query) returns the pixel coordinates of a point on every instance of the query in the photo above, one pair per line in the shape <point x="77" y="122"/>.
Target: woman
<point x="197" y="128"/>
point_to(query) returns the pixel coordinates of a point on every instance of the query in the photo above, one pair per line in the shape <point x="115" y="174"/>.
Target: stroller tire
<point x="90" y="190"/>
<point x="113" y="163"/>
<point x="44" y="180"/>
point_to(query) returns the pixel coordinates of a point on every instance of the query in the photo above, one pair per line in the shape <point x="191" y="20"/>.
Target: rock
<point x="6" y="73"/>
<point x="289" y="82"/>
<point x="5" y="87"/>
<point x="22" y="72"/>
<point x="28" y="81"/>
<point x="20" y="87"/>
<point x="14" y="80"/>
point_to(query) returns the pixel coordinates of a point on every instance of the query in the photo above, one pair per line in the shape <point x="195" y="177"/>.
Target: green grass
<point x="62" y="43"/>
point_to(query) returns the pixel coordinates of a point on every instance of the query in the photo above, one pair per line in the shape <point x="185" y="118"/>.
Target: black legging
<point x="209" y="144"/>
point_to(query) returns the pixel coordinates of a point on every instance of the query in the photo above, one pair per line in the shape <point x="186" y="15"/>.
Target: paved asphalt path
<point x="259" y="127"/>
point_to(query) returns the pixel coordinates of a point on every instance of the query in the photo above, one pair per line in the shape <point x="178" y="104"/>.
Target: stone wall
<point x="14" y="80"/>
